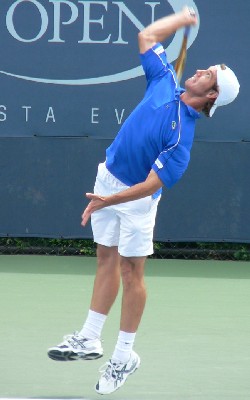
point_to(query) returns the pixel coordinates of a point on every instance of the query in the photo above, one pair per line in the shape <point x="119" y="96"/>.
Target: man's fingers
<point x="85" y="218"/>
<point x="90" y="195"/>
<point x="96" y="203"/>
<point x="190" y="14"/>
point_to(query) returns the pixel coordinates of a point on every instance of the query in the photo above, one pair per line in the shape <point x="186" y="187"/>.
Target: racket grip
<point x="187" y="30"/>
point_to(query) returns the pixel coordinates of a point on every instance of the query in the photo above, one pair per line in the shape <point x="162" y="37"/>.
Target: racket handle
<point x="187" y="31"/>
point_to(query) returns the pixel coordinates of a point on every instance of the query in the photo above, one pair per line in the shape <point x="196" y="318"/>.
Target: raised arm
<point x="146" y="188"/>
<point x="161" y="29"/>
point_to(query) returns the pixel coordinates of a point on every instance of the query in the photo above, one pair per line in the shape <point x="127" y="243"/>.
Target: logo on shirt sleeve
<point x="173" y="124"/>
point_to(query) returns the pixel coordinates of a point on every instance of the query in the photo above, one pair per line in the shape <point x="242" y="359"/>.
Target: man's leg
<point x="124" y="360"/>
<point x="86" y="345"/>
<point x="107" y="280"/>
<point x="110" y="267"/>
<point x="134" y="292"/>
<point x="133" y="303"/>
<point x="105" y="290"/>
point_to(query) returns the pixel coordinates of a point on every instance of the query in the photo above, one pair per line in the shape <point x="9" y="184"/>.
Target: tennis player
<point x="152" y="149"/>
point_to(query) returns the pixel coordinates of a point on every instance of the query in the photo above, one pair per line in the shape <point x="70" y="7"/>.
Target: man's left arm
<point x="161" y="29"/>
<point x="138" y="191"/>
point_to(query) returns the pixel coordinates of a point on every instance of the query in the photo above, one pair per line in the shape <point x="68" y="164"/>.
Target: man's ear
<point x="212" y="94"/>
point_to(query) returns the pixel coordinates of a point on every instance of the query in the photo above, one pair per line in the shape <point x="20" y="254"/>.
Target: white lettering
<point x="10" y="23"/>
<point x="50" y="115"/>
<point x="152" y="5"/>
<point x="123" y="9"/>
<point x="3" y="114"/>
<point x="119" y="118"/>
<point x="26" y="112"/>
<point x="57" y="18"/>
<point x="94" y="115"/>
<point x="87" y="21"/>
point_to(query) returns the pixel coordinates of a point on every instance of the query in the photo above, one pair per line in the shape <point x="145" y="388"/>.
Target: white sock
<point x="123" y="347"/>
<point x="93" y="325"/>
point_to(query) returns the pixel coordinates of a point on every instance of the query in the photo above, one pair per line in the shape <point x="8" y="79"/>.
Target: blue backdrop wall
<point x="69" y="77"/>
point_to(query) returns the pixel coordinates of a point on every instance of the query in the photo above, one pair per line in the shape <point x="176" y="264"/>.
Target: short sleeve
<point x="154" y="62"/>
<point x="171" y="164"/>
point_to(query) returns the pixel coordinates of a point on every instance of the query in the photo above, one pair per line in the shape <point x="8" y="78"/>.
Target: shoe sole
<point x="58" y="355"/>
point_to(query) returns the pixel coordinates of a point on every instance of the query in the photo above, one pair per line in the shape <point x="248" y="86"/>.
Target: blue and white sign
<point x="71" y="67"/>
<point x="69" y="76"/>
<point x="66" y="63"/>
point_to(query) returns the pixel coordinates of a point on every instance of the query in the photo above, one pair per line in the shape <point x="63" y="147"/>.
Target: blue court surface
<point x="194" y="339"/>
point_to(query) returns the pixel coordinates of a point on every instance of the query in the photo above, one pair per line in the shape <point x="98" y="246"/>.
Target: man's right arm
<point x="161" y="29"/>
<point x="138" y="191"/>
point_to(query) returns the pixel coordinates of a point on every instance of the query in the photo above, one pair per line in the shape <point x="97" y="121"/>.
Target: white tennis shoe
<point x="114" y="375"/>
<point x="76" y="347"/>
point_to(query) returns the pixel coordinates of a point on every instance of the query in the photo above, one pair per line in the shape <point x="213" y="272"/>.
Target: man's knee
<point x="132" y="270"/>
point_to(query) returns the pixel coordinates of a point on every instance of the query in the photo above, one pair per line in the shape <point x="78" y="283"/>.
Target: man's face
<point x="202" y="82"/>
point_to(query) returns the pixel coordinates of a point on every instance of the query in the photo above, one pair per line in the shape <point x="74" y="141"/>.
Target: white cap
<point x="228" y="87"/>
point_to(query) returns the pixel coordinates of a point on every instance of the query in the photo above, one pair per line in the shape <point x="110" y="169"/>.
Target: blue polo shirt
<point x="159" y="133"/>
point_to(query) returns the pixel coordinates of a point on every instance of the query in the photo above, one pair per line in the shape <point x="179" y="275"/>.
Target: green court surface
<point x="194" y="339"/>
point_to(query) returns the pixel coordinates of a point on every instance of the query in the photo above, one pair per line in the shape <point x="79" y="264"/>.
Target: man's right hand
<point x="96" y="203"/>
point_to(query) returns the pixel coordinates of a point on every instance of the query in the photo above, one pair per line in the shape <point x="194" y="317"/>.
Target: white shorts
<point x="128" y="225"/>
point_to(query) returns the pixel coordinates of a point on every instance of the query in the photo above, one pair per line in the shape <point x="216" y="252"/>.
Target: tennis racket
<point x="181" y="60"/>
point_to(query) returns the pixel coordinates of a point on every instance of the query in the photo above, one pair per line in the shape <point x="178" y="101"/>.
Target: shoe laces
<point x="112" y="371"/>
<point x="74" y="339"/>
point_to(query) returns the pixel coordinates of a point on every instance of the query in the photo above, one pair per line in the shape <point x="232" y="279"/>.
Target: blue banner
<point x="70" y="75"/>
<point x="71" y="68"/>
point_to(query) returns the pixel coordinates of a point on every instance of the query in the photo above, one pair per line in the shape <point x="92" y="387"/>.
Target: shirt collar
<point x="195" y="114"/>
